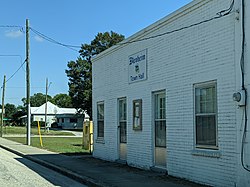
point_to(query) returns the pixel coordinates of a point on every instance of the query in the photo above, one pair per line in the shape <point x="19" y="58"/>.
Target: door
<point x="122" y="128"/>
<point x="160" y="129"/>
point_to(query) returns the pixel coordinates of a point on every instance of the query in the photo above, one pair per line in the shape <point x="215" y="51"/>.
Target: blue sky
<point x="72" y="22"/>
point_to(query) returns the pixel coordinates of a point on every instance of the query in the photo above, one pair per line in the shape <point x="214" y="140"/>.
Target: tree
<point x="79" y="72"/>
<point x="62" y="100"/>
<point x="10" y="110"/>
<point x="37" y="100"/>
<point x="20" y="111"/>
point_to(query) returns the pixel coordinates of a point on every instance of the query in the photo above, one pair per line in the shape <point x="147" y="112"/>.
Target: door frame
<point x="119" y="144"/>
<point x="154" y="93"/>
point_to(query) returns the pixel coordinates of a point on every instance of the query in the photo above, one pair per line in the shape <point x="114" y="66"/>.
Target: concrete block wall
<point x="175" y="63"/>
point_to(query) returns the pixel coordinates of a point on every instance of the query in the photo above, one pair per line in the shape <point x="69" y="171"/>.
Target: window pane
<point x="205" y="100"/>
<point x="100" y="111"/>
<point x="122" y="120"/>
<point x="160" y="106"/>
<point x="100" y="128"/>
<point x="100" y="120"/>
<point x="122" y="109"/>
<point x="160" y="133"/>
<point x="123" y="132"/>
<point x="206" y="130"/>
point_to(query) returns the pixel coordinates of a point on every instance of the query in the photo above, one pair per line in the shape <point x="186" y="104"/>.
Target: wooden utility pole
<point x="2" y="114"/>
<point x="46" y="100"/>
<point x="28" y="80"/>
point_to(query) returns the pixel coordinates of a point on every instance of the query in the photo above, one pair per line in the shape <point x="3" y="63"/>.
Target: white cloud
<point x="13" y="34"/>
<point x="39" y="39"/>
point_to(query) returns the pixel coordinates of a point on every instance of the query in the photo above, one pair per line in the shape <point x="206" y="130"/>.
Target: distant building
<point x="38" y="113"/>
<point x="173" y="96"/>
<point x="66" y="118"/>
<point x="70" y="121"/>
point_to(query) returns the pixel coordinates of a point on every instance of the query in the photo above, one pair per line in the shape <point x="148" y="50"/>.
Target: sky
<point x="72" y="22"/>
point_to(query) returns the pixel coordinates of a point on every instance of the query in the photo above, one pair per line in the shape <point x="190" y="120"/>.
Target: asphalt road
<point x="18" y="171"/>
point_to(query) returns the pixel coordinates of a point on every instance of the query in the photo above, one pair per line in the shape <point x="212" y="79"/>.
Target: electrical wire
<point x="49" y="39"/>
<point x="218" y="16"/>
<point x="13" y="26"/>
<point x="21" y="87"/>
<point x="242" y="61"/>
<point x="21" y="59"/>
<point x="15" y="72"/>
<point x="72" y="47"/>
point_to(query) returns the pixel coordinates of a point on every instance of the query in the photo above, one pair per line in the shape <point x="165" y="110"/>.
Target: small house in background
<point x="38" y="113"/>
<point x="66" y="118"/>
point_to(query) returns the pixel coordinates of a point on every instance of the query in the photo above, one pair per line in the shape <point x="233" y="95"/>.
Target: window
<point x="62" y="120"/>
<point x="137" y="114"/>
<point x="73" y="120"/>
<point x="160" y="119"/>
<point x="206" y="115"/>
<point x="123" y="120"/>
<point x="100" y="120"/>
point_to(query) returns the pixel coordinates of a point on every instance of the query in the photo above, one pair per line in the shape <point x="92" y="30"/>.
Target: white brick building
<point x="164" y="98"/>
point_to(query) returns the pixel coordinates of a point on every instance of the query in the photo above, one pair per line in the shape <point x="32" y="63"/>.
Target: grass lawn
<point x="70" y="145"/>
<point x="34" y="130"/>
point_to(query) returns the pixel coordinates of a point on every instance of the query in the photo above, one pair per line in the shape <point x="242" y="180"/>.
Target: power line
<point x="25" y="87"/>
<point x="21" y="59"/>
<point x="218" y="16"/>
<point x="13" y="26"/>
<point x="49" y="39"/>
<point x="72" y="47"/>
<point x="16" y="71"/>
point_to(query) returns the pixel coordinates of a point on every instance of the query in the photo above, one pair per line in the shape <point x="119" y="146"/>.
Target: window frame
<point x="124" y="119"/>
<point x="100" y="120"/>
<point x="205" y="85"/>
<point x="155" y="116"/>
<point x="137" y="114"/>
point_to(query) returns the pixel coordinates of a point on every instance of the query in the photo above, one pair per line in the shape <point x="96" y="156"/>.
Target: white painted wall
<point x="50" y="118"/>
<point x="175" y="63"/>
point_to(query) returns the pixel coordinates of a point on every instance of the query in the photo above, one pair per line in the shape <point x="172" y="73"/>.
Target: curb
<point x="82" y="179"/>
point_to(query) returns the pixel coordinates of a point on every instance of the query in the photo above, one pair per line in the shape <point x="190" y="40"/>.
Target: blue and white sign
<point x="137" y="67"/>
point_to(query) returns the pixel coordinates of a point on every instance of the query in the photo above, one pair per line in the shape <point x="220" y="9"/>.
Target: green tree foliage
<point x="10" y="110"/>
<point x="20" y="111"/>
<point x="37" y="99"/>
<point x="62" y="100"/>
<point x="79" y="72"/>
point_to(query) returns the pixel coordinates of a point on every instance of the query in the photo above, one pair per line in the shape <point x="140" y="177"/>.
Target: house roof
<point x="51" y="109"/>
<point x="67" y="111"/>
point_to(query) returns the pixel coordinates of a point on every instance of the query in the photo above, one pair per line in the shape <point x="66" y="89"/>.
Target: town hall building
<point x="174" y="96"/>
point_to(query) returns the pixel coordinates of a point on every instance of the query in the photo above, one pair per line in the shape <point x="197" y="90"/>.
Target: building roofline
<point x="155" y="26"/>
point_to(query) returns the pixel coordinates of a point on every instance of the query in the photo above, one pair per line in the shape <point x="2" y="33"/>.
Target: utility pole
<point x="2" y="114"/>
<point x="46" y="100"/>
<point x="28" y="80"/>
